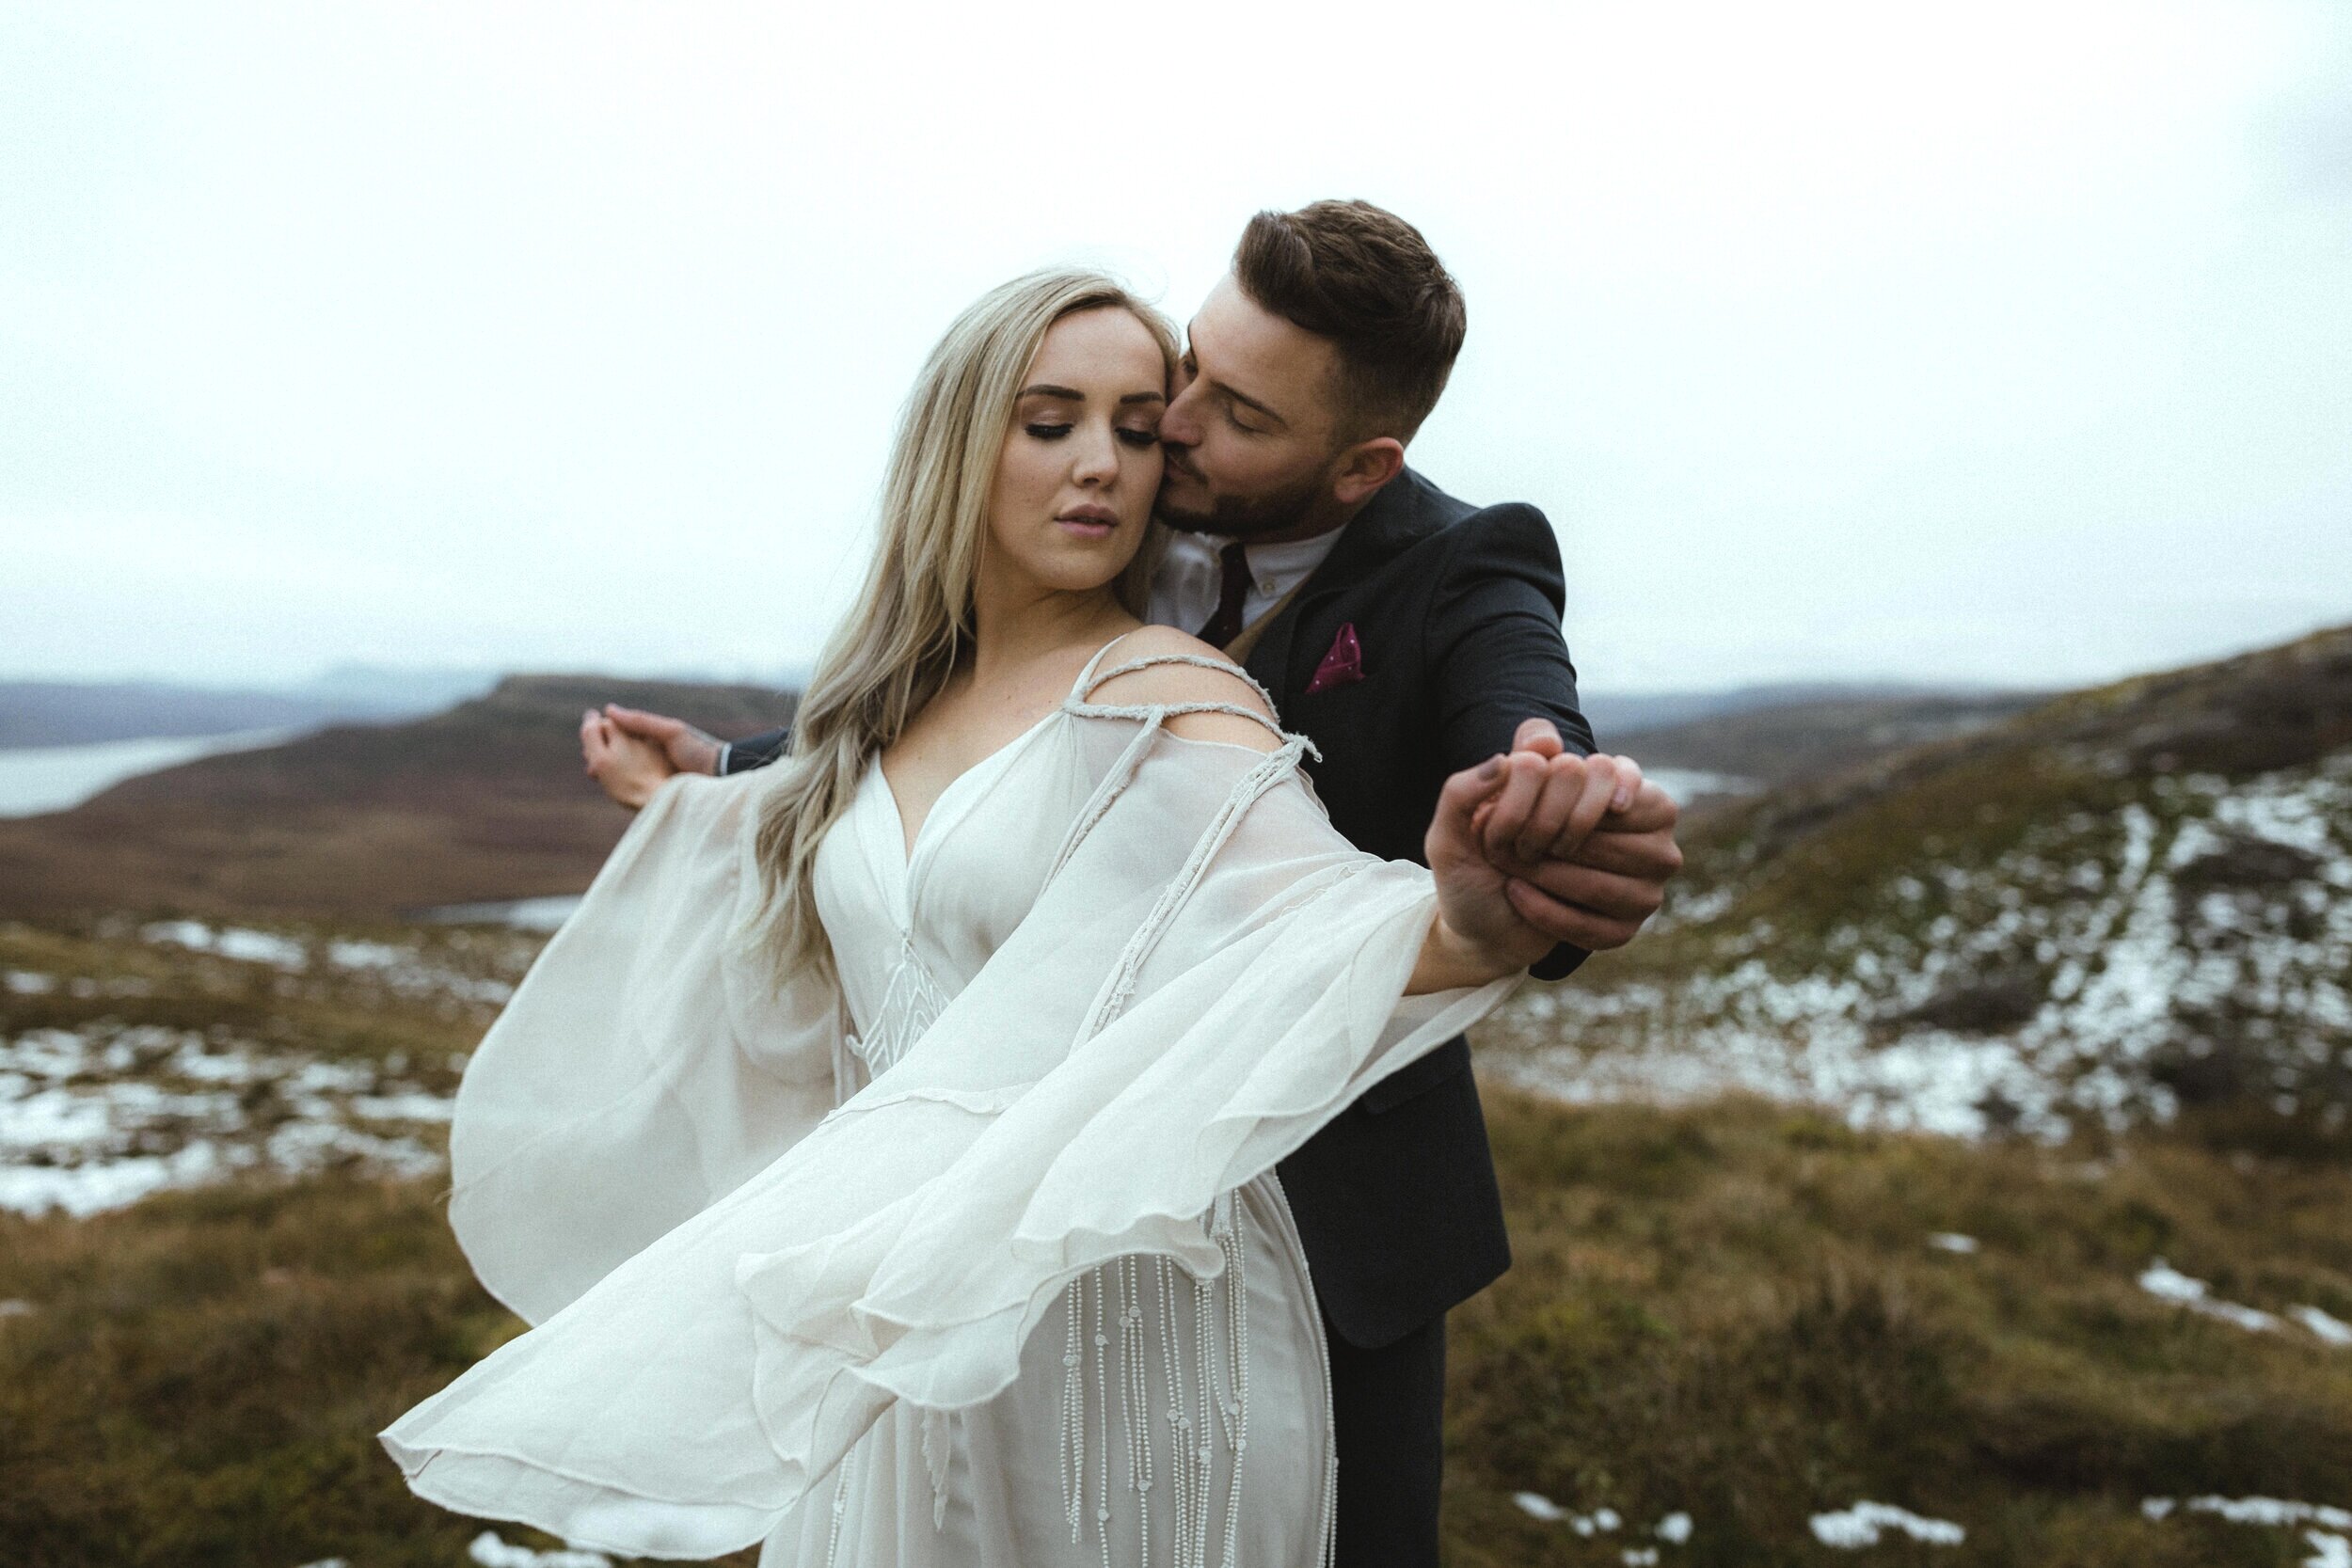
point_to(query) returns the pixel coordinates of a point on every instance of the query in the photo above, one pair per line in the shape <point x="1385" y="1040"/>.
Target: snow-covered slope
<point x="2125" y="905"/>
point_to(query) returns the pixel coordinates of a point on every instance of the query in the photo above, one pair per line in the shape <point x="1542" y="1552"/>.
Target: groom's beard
<point x="1244" y="517"/>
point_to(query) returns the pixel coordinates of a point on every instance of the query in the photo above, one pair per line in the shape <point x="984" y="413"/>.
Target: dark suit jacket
<point x="1457" y="611"/>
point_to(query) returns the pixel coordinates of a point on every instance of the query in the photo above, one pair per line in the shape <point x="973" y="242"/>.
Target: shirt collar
<point x="1279" y="564"/>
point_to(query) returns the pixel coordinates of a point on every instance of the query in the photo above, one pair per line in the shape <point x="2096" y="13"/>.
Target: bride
<point x="884" y="1152"/>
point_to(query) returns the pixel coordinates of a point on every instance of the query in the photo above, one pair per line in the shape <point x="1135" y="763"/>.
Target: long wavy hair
<point x="914" y="619"/>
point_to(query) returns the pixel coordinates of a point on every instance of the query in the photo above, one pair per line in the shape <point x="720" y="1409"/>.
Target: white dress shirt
<point x="1185" y="589"/>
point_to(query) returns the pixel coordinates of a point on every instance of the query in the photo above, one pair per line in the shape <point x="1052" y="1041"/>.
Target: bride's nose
<point x="1095" y="461"/>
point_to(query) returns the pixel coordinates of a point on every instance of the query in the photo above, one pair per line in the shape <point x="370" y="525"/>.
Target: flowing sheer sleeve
<point x="644" y="1066"/>
<point x="1210" y="973"/>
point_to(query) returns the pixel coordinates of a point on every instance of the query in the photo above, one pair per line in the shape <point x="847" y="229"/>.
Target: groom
<point x="1409" y="635"/>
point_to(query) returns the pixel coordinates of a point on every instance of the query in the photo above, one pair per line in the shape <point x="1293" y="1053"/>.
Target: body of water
<point x="38" y="779"/>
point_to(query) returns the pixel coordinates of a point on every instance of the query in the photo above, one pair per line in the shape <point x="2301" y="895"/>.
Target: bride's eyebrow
<point x="1070" y="394"/>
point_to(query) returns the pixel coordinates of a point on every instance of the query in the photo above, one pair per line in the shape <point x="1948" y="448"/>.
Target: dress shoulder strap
<point x="1086" y="677"/>
<point x="1090" y="679"/>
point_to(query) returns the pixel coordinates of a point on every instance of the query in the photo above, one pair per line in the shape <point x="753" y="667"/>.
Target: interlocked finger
<point x="1523" y="778"/>
<point x="1563" y="787"/>
<point x="1600" y="785"/>
<point x="1566" y="922"/>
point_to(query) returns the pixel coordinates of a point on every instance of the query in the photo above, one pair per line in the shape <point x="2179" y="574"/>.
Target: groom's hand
<point x="1586" y="845"/>
<point x="631" y="751"/>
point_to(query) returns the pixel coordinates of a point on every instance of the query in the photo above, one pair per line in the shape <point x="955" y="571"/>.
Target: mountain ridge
<point x="483" y="802"/>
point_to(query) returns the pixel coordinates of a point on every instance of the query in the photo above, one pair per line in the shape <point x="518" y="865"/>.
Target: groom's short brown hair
<point x="1363" y="278"/>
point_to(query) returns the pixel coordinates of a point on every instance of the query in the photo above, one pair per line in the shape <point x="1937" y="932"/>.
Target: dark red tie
<point x="1225" y="625"/>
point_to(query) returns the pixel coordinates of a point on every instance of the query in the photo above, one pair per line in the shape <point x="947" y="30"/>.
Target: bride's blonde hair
<point x="913" y="616"/>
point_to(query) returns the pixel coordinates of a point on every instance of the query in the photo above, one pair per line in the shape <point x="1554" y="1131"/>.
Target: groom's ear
<point x="1365" y="467"/>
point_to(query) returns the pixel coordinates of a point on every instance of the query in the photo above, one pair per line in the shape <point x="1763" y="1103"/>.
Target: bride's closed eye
<point x="1133" y="437"/>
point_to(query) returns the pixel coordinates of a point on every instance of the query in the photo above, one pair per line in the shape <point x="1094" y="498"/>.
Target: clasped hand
<point x="1538" y="847"/>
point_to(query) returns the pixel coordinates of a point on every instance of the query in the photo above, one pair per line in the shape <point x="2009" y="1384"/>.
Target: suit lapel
<point x="1396" y="518"/>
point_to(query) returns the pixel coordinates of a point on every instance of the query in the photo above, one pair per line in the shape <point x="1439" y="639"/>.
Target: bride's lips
<point x="1090" y="522"/>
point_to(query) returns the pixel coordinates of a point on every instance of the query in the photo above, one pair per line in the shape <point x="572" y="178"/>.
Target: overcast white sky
<point x="1978" y="341"/>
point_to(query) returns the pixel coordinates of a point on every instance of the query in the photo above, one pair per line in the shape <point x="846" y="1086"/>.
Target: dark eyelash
<point x="1056" y="432"/>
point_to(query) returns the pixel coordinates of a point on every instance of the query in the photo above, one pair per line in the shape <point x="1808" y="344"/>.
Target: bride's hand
<point x="1589" y="864"/>
<point x="1480" y="934"/>
<point x="629" y="767"/>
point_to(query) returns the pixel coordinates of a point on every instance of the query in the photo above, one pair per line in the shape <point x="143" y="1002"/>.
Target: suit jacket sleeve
<point x="1495" y="642"/>
<point x="756" y="751"/>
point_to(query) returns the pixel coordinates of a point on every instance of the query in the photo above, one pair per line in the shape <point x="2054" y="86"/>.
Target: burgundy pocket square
<point x="1343" y="664"/>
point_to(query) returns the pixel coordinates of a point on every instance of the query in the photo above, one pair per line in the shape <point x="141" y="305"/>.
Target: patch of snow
<point x="1863" y="1523"/>
<point x="2107" y="927"/>
<point x="407" y="971"/>
<point x="1952" y="1241"/>
<point x="410" y="1106"/>
<point x="99" y="1118"/>
<point x="27" y="982"/>
<point x="490" y="1550"/>
<point x="17" y="1307"/>
<point x="1640" y="1557"/>
<point x="1674" y="1528"/>
<point x="404" y="969"/>
<point x="2328" y="1549"/>
<point x="522" y="914"/>
<point x="2160" y="1279"/>
<point x="1601" y="1520"/>
<point x="239" y="943"/>
<point x="347" y="953"/>
<point x="2273" y="1511"/>
<point x="2330" y="1329"/>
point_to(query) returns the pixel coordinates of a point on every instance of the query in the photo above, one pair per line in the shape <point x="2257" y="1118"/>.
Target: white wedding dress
<point x="978" y="1259"/>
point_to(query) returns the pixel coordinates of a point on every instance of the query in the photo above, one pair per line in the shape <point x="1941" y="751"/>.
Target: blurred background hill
<point x="483" y="801"/>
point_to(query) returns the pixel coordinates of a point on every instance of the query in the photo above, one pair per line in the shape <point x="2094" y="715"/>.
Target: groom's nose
<point x="1180" y="426"/>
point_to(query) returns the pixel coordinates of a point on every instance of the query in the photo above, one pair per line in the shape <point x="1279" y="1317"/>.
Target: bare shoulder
<point x="1176" y="683"/>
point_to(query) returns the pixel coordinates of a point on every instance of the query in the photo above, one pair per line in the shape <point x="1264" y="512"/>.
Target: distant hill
<point x="1627" y="713"/>
<point x="75" y="713"/>
<point x="1788" y="733"/>
<point x="36" y="713"/>
<point x="395" y="690"/>
<point x="2128" y="903"/>
<point x="484" y="801"/>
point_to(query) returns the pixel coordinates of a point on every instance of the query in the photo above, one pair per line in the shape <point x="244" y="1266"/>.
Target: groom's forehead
<point x="1267" y="358"/>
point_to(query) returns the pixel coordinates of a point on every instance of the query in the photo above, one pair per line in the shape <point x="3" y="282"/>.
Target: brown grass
<point x="1729" y="1312"/>
<point x="1733" y="1311"/>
